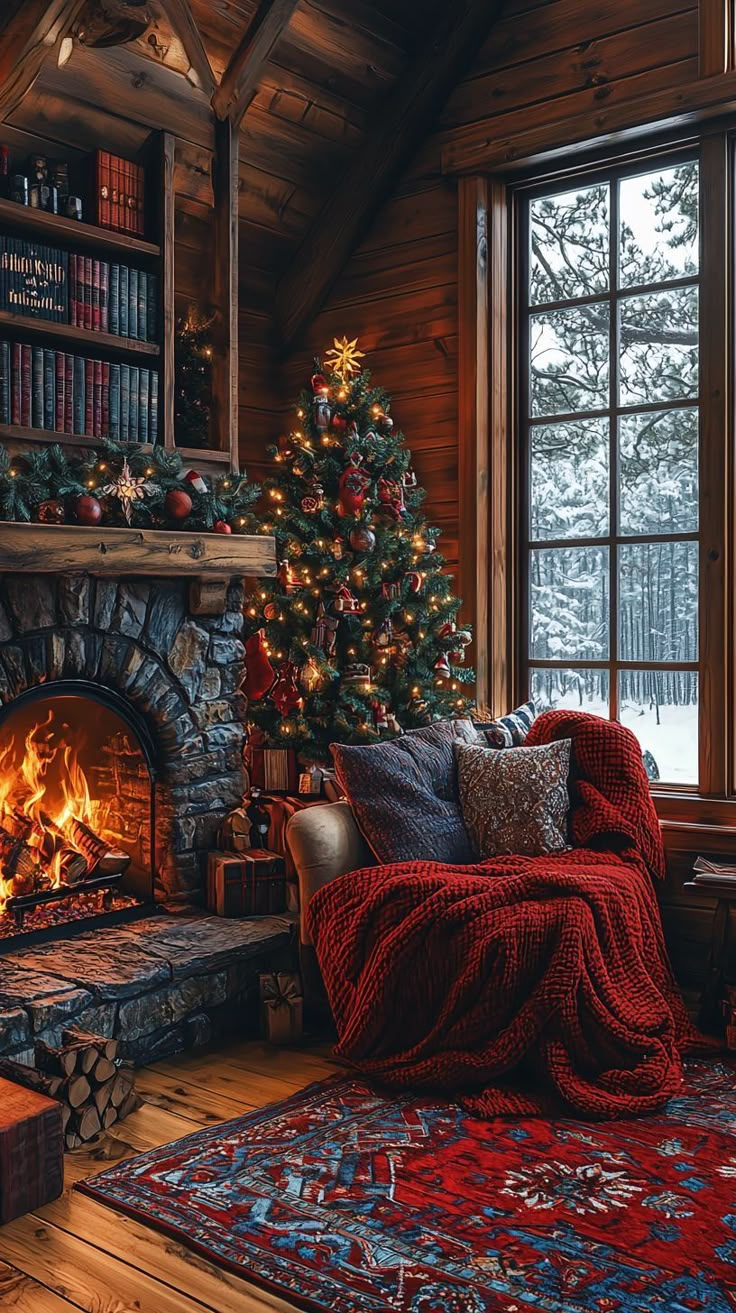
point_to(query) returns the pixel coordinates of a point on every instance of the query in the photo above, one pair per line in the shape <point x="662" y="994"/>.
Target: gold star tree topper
<point x="342" y="358"/>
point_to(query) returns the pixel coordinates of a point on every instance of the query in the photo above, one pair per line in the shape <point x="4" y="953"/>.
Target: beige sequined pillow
<point x="515" y="800"/>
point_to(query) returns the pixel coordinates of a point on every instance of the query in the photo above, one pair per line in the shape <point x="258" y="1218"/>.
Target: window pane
<point x="658" y="472"/>
<point x="573" y="690"/>
<point x="658" y="602"/>
<point x="569" y="353"/>
<point x="568" y="603"/>
<point x="569" y="245"/>
<point x="569" y="479"/>
<point x="661" y="707"/>
<point x="658" y="236"/>
<point x="658" y="346"/>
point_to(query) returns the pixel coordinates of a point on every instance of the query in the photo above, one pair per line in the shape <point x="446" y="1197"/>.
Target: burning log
<point x="17" y="858"/>
<point x="101" y="859"/>
<point x="72" y="866"/>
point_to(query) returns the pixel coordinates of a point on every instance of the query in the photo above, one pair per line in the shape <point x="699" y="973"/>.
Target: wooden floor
<point x="76" y="1254"/>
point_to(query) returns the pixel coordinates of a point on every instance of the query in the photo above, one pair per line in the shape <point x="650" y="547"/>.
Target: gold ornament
<point x="343" y="357"/>
<point x="128" y="489"/>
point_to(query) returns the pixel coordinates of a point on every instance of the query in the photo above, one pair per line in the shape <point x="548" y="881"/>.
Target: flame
<point x="41" y="798"/>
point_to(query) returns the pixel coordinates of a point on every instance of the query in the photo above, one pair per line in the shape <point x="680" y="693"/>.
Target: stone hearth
<point x="160" y="985"/>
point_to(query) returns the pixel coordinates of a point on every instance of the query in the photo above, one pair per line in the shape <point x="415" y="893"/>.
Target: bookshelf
<point x="153" y="254"/>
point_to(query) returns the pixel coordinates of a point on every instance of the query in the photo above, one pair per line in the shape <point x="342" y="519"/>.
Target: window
<point x="610" y="411"/>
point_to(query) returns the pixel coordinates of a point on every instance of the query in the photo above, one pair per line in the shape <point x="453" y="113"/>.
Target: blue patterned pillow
<point x="404" y="794"/>
<point x="509" y="731"/>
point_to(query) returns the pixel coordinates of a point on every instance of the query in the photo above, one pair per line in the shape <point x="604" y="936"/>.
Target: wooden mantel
<point x="73" y="549"/>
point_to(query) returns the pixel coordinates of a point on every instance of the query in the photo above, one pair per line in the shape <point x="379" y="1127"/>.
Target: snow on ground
<point x="673" y="742"/>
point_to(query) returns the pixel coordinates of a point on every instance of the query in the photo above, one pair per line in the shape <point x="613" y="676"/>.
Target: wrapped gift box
<point x="252" y="883"/>
<point x="281" y="1007"/>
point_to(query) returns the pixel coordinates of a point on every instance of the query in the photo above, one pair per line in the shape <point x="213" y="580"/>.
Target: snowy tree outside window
<point x="612" y="434"/>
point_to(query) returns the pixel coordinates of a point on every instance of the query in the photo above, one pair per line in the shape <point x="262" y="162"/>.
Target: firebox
<point x="77" y="800"/>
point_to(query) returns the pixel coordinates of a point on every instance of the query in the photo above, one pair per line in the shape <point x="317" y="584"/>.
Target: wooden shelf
<point x="59" y="229"/>
<point x="14" y="433"/>
<point x="64" y="549"/>
<point x="83" y="337"/>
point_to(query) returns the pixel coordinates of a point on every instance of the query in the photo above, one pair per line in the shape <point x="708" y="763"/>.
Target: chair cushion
<point x="515" y="801"/>
<point x="404" y="794"/>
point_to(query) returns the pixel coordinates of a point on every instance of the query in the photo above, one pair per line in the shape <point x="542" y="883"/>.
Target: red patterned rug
<point x="340" y="1198"/>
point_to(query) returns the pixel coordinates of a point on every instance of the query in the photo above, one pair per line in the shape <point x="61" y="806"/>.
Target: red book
<point x="73" y="290"/>
<point x="68" y="394"/>
<point x="97" y="399"/>
<point x="26" y="356"/>
<point x="96" y="311"/>
<point x="104" y="295"/>
<point x="60" y="395"/>
<point x="102" y="181"/>
<point x="105" y="433"/>
<point x="89" y="398"/>
<point x="87" y="291"/>
<point x="127" y="196"/>
<point x="15" y="385"/>
<point x="139" y="197"/>
<point x="119" y="211"/>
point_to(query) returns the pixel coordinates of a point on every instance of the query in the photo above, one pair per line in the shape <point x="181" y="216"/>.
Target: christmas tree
<point x="193" y="372"/>
<point x="356" y="638"/>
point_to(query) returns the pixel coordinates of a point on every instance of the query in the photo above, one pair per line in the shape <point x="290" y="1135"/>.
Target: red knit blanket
<point x="521" y="981"/>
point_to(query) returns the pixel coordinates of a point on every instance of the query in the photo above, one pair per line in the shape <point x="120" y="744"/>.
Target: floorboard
<point x="75" y="1254"/>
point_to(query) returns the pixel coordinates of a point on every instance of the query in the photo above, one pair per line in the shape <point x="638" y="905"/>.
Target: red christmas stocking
<point x="259" y="673"/>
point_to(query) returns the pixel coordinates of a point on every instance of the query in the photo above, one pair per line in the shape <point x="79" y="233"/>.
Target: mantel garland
<point x="123" y="485"/>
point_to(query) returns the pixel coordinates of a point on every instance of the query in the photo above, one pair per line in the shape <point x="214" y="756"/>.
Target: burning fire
<point x="49" y="824"/>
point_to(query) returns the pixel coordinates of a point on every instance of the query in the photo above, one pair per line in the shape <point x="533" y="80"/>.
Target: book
<point x="59" y="394"/>
<point x="123" y="301"/>
<point x="143" y="405"/>
<point x="49" y="389"/>
<point x="68" y="393"/>
<point x="142" y="306"/>
<point x="34" y="279"/>
<point x="703" y="866"/>
<point x="88" y="312"/>
<point x="97" y="398"/>
<point x="104" y="296"/>
<point x="4" y="383"/>
<point x="79" y="394"/>
<point x="96" y="322"/>
<point x="152" y="309"/>
<point x="15" y="385"/>
<point x="105" y="427"/>
<point x="114" y="402"/>
<point x="125" y="434"/>
<point x="89" y="397"/>
<point x="73" y="290"/>
<point x="133" y="303"/>
<point x="113" y="299"/>
<point x="101" y="188"/>
<point x="153" y="408"/>
<point x="26" y="368"/>
<point x="37" y="388"/>
<point x="133" y="403"/>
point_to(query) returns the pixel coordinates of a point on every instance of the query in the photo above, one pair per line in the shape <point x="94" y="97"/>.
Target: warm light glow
<point x="66" y="50"/>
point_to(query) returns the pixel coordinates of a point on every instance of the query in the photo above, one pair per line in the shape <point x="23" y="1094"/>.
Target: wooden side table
<point x="710" y="1011"/>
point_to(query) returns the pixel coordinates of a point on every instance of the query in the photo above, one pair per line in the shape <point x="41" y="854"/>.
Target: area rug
<point x="344" y="1199"/>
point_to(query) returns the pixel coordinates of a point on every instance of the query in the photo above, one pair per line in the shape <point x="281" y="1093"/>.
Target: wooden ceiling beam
<point x="25" y="42"/>
<point x="402" y="123"/>
<point x="242" y="75"/>
<point x="179" y="14"/>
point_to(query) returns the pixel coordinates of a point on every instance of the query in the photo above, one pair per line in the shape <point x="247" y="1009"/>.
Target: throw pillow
<point x="515" y="801"/>
<point x="509" y="731"/>
<point x="404" y="794"/>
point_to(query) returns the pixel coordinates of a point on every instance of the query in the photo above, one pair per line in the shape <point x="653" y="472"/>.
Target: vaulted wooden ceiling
<point x="318" y="83"/>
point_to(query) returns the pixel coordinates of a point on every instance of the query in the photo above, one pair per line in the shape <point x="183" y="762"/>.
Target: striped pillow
<point x="509" y="731"/>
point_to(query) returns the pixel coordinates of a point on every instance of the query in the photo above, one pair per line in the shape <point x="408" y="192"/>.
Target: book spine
<point x="140" y="195"/>
<point x="143" y="404"/>
<point x="49" y="389"/>
<point x="73" y="290"/>
<point x="15" y="384"/>
<point x="4" y="383"/>
<point x="114" y="301"/>
<point x="79" y="394"/>
<point x="104" y="296"/>
<point x="153" y="416"/>
<point x="88" y="267"/>
<point x="124" y="293"/>
<point x="60" y="396"/>
<point x="134" y="395"/>
<point x="104" y="186"/>
<point x="26" y="382"/>
<point x="142" y="306"/>
<point x="96" y="324"/>
<point x="152" y="309"/>
<point x="133" y="303"/>
<point x="89" y="397"/>
<point x="3" y="273"/>
<point x="115" y="403"/>
<point x="64" y="298"/>
<point x="105" y="427"/>
<point x="125" y="403"/>
<point x="37" y="388"/>
<point x="97" y="398"/>
<point x="68" y="393"/>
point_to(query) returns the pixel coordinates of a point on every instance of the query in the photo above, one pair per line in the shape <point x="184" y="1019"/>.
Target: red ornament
<point x="320" y="385"/>
<point x="195" y="480"/>
<point x="87" y="510"/>
<point x="339" y="423"/>
<point x="259" y="673"/>
<point x="285" y="693"/>
<point x="351" y="490"/>
<point x="178" y="504"/>
<point x="391" y="497"/>
<point x="362" y="539"/>
<point x="222" y="526"/>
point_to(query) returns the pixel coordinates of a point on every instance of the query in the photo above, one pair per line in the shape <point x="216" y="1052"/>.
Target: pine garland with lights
<point x="193" y="374"/>
<point x="356" y="639"/>
<point x="122" y="485"/>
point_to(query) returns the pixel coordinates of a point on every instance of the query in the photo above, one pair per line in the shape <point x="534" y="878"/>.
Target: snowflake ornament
<point x="128" y="488"/>
<point x="342" y="358"/>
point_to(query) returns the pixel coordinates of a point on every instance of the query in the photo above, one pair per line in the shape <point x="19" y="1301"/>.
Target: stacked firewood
<point x="29" y="845"/>
<point x="95" y="1088"/>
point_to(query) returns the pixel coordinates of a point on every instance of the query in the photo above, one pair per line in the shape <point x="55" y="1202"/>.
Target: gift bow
<point x="279" y="989"/>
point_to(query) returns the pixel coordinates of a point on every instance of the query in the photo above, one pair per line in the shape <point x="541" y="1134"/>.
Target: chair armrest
<point x="324" y="842"/>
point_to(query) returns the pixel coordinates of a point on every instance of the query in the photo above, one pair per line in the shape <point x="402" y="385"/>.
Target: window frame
<point x="714" y="146"/>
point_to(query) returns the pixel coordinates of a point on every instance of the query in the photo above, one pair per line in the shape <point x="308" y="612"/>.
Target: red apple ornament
<point x="87" y="510"/>
<point x="222" y="526"/>
<point x="178" y="504"/>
